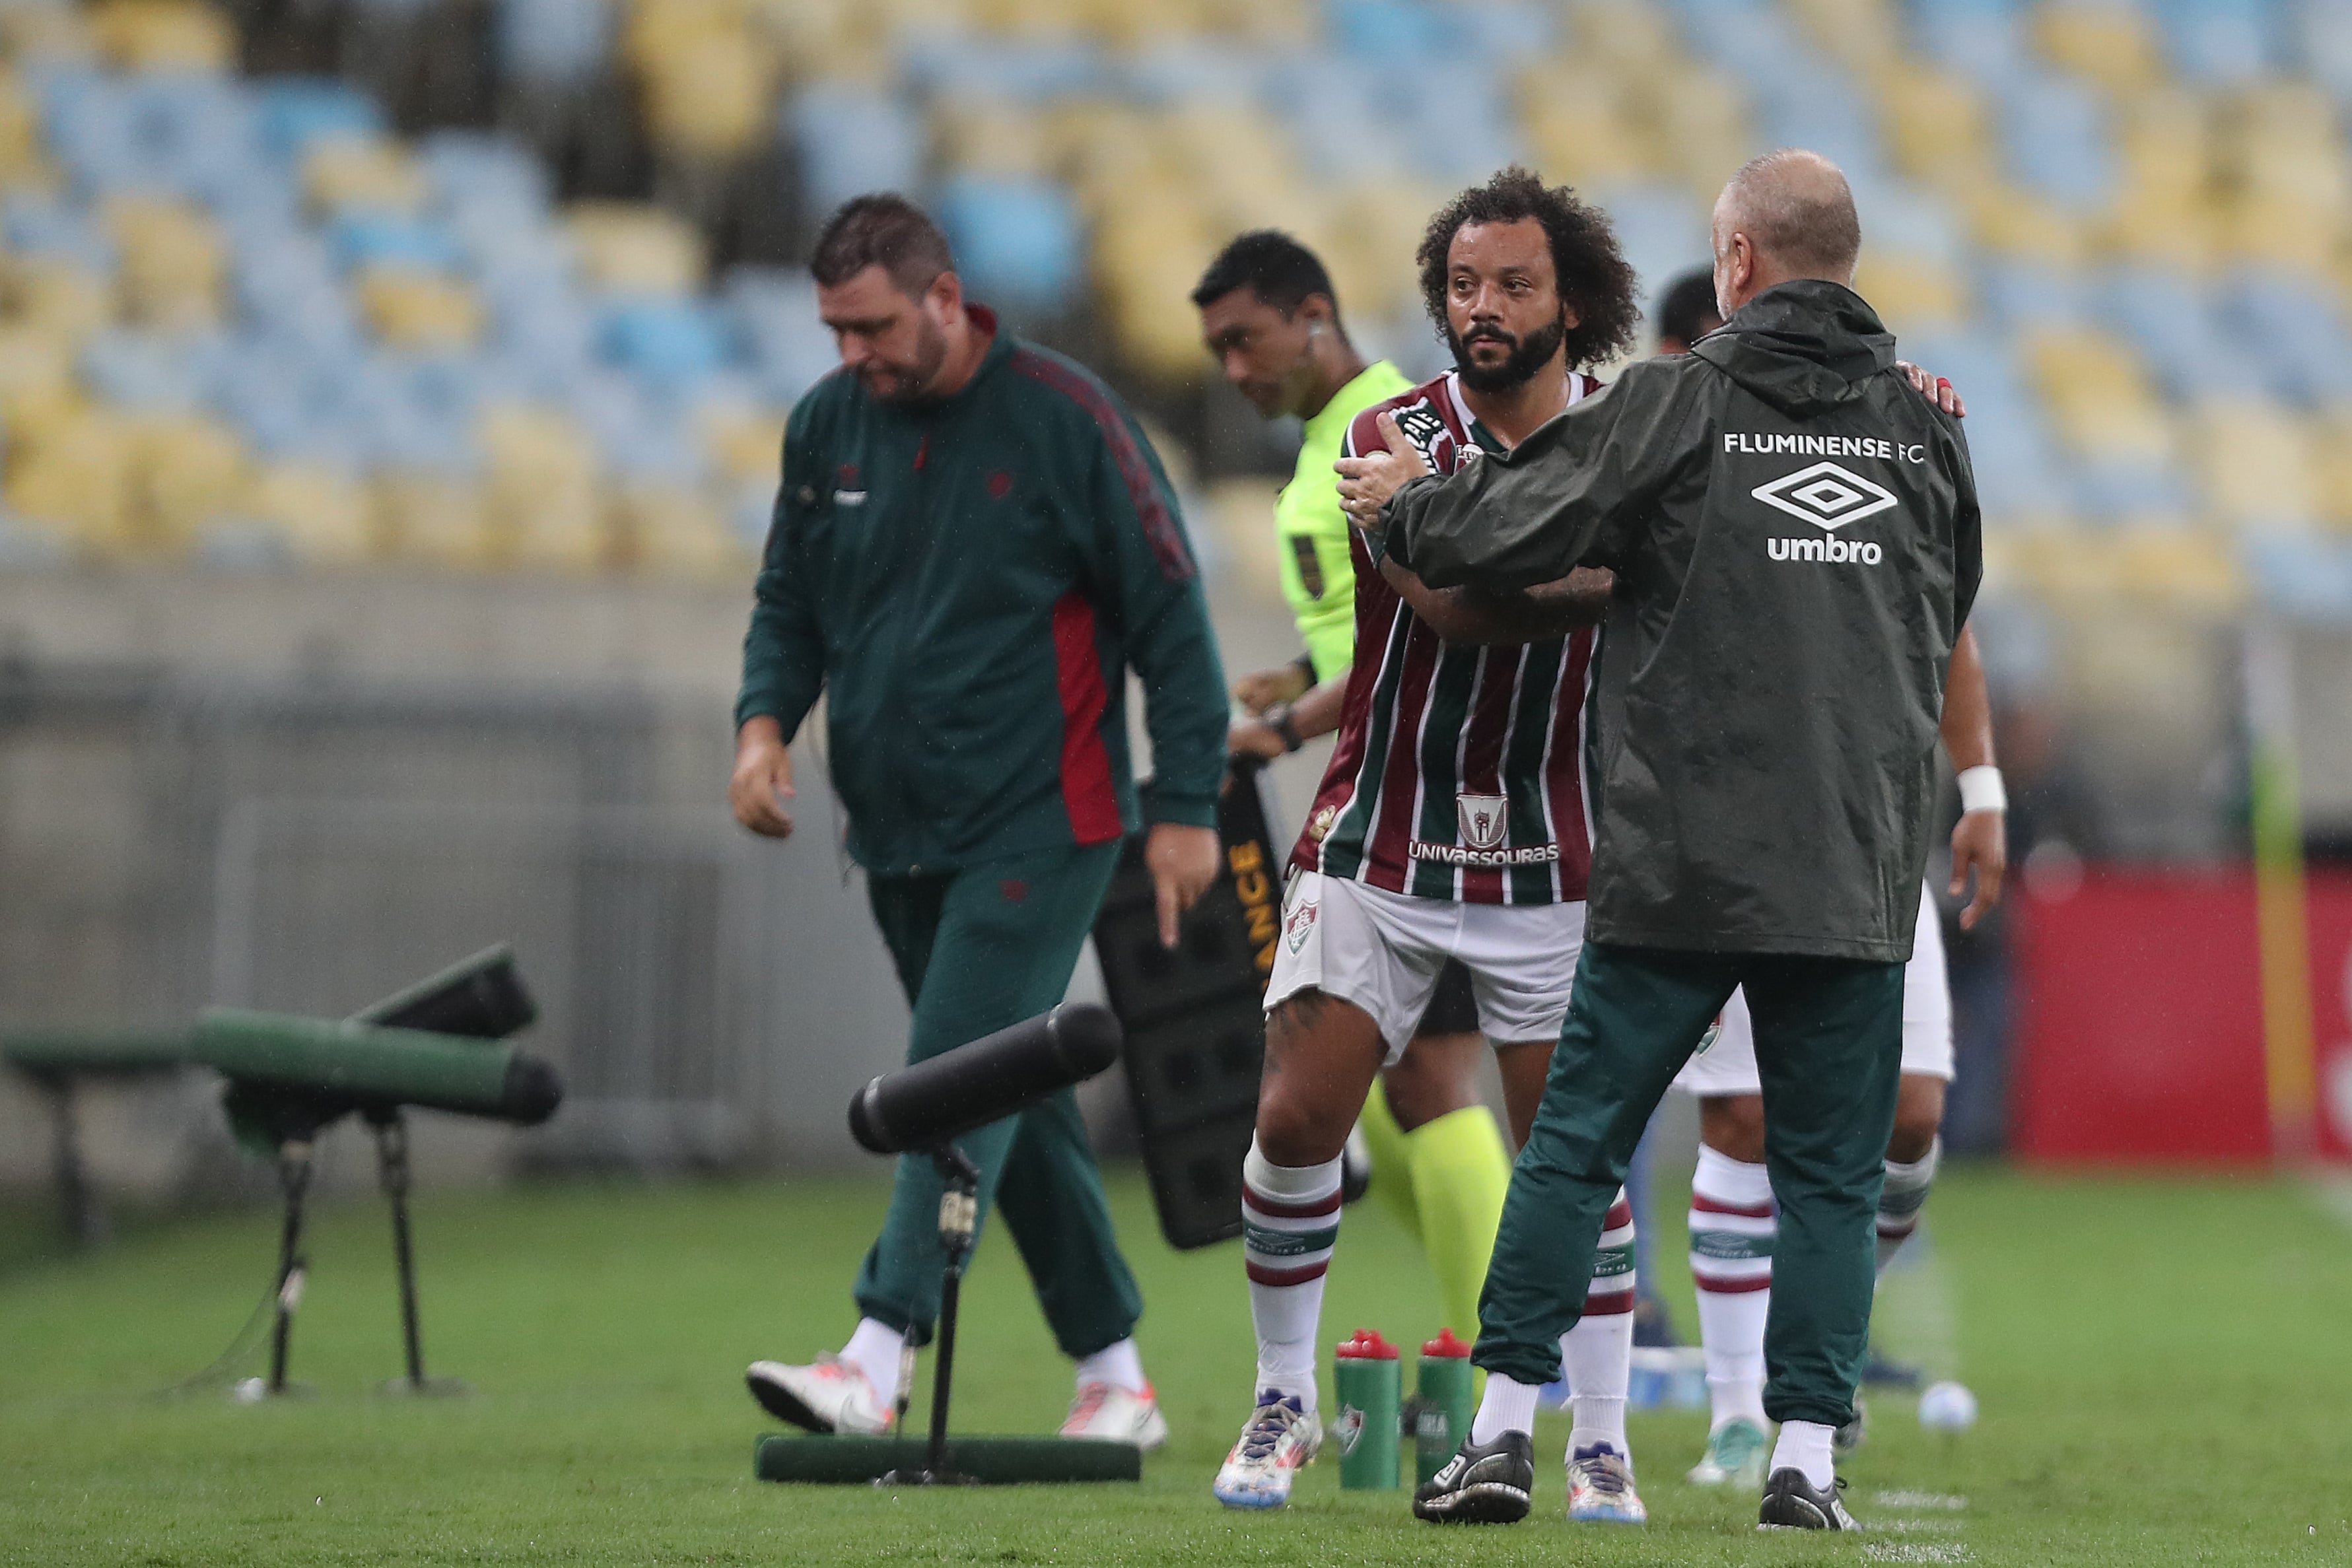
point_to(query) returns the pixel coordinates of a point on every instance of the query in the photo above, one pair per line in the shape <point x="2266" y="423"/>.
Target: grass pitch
<point x="2165" y="1367"/>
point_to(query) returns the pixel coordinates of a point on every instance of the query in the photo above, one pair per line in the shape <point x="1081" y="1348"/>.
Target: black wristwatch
<point x="1279" y="718"/>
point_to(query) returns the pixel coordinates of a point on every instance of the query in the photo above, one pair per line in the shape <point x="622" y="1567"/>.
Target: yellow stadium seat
<point x="185" y="472"/>
<point x="21" y="162"/>
<point x="2016" y="223"/>
<point x="1624" y="36"/>
<point x="544" y="488"/>
<point x="2099" y="394"/>
<point x="708" y="93"/>
<point x="172" y="259"/>
<point x="363" y="173"/>
<point x="75" y="478"/>
<point x="323" y="513"/>
<point x="434" y="519"/>
<point x="164" y="35"/>
<point x="1936" y="126"/>
<point x="1586" y="129"/>
<point x="55" y="295"/>
<point x="2253" y="464"/>
<point x="745" y="444"/>
<point x="1700" y="120"/>
<point x="2112" y="44"/>
<point x="1913" y="294"/>
<point x="33" y="360"/>
<point x="982" y="136"/>
<point x="422" y="311"/>
<point x="677" y="530"/>
<point x="635" y="248"/>
<point x="1864" y="34"/>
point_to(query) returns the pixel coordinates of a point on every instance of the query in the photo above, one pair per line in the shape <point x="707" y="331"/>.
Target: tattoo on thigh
<point x="1294" y="1019"/>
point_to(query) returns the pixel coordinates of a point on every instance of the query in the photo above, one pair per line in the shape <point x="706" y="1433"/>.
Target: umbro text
<point x="1862" y="552"/>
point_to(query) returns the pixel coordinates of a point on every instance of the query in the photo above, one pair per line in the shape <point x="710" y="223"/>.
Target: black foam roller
<point x="986" y="1081"/>
<point x="997" y="1461"/>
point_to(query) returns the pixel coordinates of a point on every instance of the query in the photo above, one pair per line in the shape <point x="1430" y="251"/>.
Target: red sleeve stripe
<point x="1087" y="792"/>
<point x="1159" y="525"/>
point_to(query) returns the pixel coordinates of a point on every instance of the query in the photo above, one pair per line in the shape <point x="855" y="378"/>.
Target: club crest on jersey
<point x="1486" y="819"/>
<point x="1298" y="925"/>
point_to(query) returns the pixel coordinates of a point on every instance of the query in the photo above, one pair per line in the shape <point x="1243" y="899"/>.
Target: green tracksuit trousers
<point x="978" y="949"/>
<point x="1829" y="1049"/>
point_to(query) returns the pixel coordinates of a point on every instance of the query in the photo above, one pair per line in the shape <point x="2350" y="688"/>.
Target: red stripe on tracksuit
<point x="1087" y="793"/>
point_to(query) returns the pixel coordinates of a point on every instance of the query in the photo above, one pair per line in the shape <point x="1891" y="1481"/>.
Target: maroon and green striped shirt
<point x="1458" y="772"/>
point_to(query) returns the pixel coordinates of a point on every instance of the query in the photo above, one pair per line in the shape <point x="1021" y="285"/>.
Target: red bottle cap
<point x="1447" y="1346"/>
<point x="1367" y="1345"/>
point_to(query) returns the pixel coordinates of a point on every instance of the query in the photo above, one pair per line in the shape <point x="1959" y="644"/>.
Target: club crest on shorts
<point x="1297" y="924"/>
<point x="1349" y="1429"/>
<point x="1486" y="819"/>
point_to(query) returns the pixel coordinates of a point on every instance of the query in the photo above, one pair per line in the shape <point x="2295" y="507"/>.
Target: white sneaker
<point x="827" y="1395"/>
<point x="1279" y="1438"/>
<point x="1104" y="1412"/>
<point x="1600" y="1487"/>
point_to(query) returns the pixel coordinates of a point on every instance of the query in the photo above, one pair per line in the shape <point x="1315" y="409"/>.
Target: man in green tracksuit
<point x="1795" y="537"/>
<point x="973" y="543"/>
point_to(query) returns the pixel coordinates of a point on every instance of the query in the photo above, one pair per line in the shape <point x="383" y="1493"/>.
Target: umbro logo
<point x="1825" y="495"/>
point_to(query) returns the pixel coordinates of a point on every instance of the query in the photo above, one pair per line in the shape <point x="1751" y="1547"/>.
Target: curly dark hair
<point x="1594" y="275"/>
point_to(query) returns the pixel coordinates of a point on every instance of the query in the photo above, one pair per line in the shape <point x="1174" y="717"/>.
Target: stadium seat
<point x="171" y="263"/>
<point x="408" y="308"/>
<point x="320" y="512"/>
<point x="627" y="248"/>
<point x="541" y="487"/>
<point x="164" y="35"/>
<point x="70" y="471"/>
<point x="2113" y="43"/>
<point x="433" y="517"/>
<point x="2253" y="466"/>
<point x="676" y="530"/>
<point x="2221" y="42"/>
<point x="1016" y="238"/>
<point x="361" y="175"/>
<point x="186" y="472"/>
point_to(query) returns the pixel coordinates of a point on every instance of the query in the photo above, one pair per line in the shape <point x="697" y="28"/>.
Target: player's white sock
<point x="1732" y="1230"/>
<point x="1507" y="1407"/>
<point x="1597" y="1353"/>
<point x="1120" y="1365"/>
<point x="1290" y="1217"/>
<point x="877" y="1351"/>
<point x="1899" y="1203"/>
<point x="1805" y="1446"/>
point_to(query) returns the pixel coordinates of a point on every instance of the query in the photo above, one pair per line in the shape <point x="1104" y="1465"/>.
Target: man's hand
<point x="1262" y="690"/>
<point x="1183" y="860"/>
<point x="1981" y="843"/>
<point x="1365" y="483"/>
<point x="763" y="779"/>
<point x="1934" y="389"/>
<point x="1255" y="737"/>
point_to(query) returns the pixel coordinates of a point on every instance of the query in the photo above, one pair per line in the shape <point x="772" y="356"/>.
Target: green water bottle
<point x="1443" y="1404"/>
<point x="1367" y="1377"/>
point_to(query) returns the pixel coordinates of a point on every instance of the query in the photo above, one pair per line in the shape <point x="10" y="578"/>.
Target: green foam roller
<point x="993" y="1461"/>
<point x="122" y="1053"/>
<point x="362" y="1065"/>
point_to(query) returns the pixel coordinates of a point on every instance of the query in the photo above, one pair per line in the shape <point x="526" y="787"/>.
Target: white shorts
<point x="1726" y="1065"/>
<point x="1382" y="950"/>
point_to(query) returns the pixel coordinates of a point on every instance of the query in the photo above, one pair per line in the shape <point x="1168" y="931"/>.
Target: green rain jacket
<point x="968" y="581"/>
<point x="1795" y="536"/>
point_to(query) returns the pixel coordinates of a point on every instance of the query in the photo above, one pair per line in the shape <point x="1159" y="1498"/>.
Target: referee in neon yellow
<point x="1271" y="320"/>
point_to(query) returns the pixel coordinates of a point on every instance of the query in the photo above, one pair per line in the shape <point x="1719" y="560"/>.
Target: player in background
<point x="1450" y="825"/>
<point x="1732" y="1215"/>
<point x="1270" y="318"/>
<point x="1685" y="313"/>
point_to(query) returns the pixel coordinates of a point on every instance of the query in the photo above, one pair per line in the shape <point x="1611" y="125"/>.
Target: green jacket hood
<point x="1804" y="348"/>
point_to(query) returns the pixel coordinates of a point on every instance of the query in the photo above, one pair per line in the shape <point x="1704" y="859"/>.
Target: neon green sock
<point x="1391" y="1160"/>
<point x="1460" y="1173"/>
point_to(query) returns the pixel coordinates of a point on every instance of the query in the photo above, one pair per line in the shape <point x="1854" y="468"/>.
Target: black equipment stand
<point x="959" y="1218"/>
<point x="392" y="1168"/>
<point x="294" y="1183"/>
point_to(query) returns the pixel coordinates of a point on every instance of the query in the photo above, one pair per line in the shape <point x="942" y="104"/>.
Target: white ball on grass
<point x="1948" y="1407"/>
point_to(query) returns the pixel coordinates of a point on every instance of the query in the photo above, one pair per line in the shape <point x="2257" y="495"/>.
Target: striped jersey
<point x="1458" y="771"/>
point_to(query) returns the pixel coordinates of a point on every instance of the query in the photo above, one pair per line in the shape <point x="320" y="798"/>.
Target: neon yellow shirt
<point x="1318" y="576"/>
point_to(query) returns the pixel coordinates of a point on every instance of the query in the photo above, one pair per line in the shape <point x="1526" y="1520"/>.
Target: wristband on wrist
<point x="1279" y="718"/>
<point x="1981" y="790"/>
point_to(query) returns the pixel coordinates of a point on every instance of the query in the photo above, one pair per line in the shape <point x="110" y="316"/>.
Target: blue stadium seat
<point x="774" y="316"/>
<point x="2017" y="471"/>
<point x="2054" y="134"/>
<point x="852" y="139"/>
<point x="2169" y="316"/>
<point x="2222" y="42"/>
<point x="365" y="239"/>
<point x="2306" y="579"/>
<point x="1016" y="240"/>
<point x="1661" y="231"/>
<point x="1984" y="40"/>
<point x="36" y="226"/>
<point x="945" y="61"/>
<point x="1390" y="32"/>
<point x="552" y="43"/>
<point x="2297" y="327"/>
<point x="669" y="344"/>
<point x="294" y="111"/>
<point x="146" y="372"/>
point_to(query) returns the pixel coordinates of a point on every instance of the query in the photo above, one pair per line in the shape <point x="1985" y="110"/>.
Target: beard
<point x="1527" y="356"/>
<point x="910" y="381"/>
